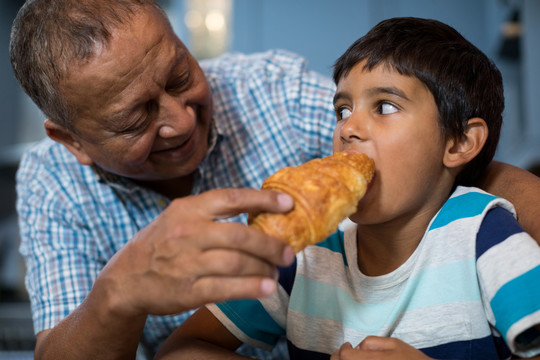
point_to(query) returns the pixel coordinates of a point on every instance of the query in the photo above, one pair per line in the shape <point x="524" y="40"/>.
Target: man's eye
<point x="178" y="84"/>
<point x="387" y="108"/>
<point x="141" y="125"/>
<point x="343" y="113"/>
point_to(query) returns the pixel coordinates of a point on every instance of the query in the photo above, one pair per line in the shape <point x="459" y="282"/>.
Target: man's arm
<point x="202" y="336"/>
<point x="520" y="187"/>
<point x="182" y="260"/>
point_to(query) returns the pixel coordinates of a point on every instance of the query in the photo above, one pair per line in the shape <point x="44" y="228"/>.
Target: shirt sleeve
<point x="56" y="243"/>
<point x="508" y="264"/>
<point x="317" y="117"/>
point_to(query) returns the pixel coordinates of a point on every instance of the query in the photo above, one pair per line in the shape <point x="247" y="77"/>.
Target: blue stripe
<point x="498" y="225"/>
<point x="516" y="299"/>
<point x="450" y="283"/>
<point x="253" y="320"/>
<point x="462" y="206"/>
<point x="312" y="298"/>
<point x="335" y="243"/>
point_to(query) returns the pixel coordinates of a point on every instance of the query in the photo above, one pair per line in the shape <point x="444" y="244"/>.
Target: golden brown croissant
<point x="325" y="192"/>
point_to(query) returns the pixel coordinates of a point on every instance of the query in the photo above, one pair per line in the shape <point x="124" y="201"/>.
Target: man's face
<point x="143" y="104"/>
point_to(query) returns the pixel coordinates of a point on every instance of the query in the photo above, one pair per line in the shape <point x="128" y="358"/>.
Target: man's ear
<point x="67" y="138"/>
<point x="461" y="151"/>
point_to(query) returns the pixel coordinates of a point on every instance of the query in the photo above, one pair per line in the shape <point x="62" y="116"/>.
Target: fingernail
<point x="285" y="201"/>
<point x="276" y="274"/>
<point x="268" y="286"/>
<point x="288" y="255"/>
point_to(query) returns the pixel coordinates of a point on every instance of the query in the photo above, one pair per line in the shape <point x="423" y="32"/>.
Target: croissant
<point x="325" y="192"/>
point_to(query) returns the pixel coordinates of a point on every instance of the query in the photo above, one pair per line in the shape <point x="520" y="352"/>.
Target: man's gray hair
<point x="50" y="38"/>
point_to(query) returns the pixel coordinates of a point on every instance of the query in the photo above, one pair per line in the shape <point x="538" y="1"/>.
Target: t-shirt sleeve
<point x="259" y="323"/>
<point x="249" y="322"/>
<point x="508" y="265"/>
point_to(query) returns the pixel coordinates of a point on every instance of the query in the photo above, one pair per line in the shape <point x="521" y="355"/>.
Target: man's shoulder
<point x="243" y="64"/>
<point x="48" y="162"/>
<point x="47" y="154"/>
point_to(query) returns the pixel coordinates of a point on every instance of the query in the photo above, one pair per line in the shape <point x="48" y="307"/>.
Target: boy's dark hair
<point x="50" y="38"/>
<point x="463" y="81"/>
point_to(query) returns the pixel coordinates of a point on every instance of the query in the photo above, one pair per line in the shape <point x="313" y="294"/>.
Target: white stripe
<point x="420" y="328"/>
<point x="520" y="252"/>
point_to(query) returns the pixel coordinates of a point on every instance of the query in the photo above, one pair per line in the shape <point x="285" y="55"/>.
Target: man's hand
<point x="378" y="348"/>
<point x="182" y="260"/>
<point x="185" y="259"/>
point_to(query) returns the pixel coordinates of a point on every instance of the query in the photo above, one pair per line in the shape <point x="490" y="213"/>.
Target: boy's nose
<point x="354" y="128"/>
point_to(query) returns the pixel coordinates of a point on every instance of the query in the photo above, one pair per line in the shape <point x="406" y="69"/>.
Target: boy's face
<point x="393" y="119"/>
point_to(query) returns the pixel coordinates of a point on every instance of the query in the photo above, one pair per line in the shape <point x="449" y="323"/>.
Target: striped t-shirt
<point x="474" y="277"/>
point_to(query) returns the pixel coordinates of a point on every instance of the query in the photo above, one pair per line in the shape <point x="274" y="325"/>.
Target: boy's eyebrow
<point x="391" y="90"/>
<point x="338" y="96"/>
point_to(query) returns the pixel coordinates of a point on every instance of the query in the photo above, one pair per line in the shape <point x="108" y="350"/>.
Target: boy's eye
<point x="387" y="108"/>
<point x="343" y="113"/>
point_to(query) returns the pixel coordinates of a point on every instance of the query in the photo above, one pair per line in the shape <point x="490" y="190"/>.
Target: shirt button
<point x="162" y="202"/>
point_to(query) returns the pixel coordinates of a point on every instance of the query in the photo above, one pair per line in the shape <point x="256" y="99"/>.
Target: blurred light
<point x="215" y="21"/>
<point x="193" y="20"/>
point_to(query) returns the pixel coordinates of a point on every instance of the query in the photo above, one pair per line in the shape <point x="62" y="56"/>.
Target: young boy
<point x="431" y="269"/>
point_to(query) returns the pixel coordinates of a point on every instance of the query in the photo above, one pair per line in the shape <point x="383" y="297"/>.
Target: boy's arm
<point x="521" y="188"/>
<point x="202" y="336"/>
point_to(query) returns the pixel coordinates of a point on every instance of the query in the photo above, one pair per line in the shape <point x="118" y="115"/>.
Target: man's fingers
<point x="243" y="238"/>
<point x="218" y="289"/>
<point x="377" y="343"/>
<point x="225" y="203"/>
<point x="223" y="262"/>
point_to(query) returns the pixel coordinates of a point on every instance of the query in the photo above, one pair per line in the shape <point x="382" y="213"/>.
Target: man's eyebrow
<point x="390" y="90"/>
<point x="120" y="117"/>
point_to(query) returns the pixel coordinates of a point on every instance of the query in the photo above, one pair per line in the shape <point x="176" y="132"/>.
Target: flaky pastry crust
<point x="325" y="192"/>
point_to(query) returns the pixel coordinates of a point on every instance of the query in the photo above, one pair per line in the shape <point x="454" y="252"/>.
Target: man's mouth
<point x="181" y="149"/>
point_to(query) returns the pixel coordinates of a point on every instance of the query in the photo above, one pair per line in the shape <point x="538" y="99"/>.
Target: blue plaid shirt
<point x="269" y="112"/>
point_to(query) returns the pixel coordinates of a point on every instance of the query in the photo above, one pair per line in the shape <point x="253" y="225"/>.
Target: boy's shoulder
<point x="468" y="202"/>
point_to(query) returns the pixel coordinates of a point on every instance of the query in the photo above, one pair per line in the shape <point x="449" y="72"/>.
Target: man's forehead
<point x="145" y="47"/>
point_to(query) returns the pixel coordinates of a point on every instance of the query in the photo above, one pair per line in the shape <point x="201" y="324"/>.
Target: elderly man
<point x="121" y="215"/>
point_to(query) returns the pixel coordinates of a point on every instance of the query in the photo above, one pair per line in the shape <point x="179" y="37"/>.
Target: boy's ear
<point x="67" y="138"/>
<point x="461" y="151"/>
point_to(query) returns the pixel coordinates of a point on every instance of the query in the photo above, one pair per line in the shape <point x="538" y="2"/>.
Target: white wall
<point x="321" y="30"/>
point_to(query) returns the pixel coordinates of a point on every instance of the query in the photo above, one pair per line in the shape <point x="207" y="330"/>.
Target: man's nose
<point x="176" y="117"/>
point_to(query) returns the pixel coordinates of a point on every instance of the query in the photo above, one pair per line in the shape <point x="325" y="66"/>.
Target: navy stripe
<point x="296" y="353"/>
<point x="498" y="225"/>
<point x="287" y="276"/>
<point x="488" y="348"/>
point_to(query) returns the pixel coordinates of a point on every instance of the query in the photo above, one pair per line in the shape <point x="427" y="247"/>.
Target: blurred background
<point x="321" y="30"/>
